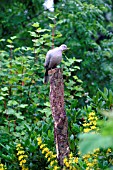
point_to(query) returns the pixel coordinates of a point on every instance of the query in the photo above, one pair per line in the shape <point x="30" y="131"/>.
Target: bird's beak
<point x="67" y="48"/>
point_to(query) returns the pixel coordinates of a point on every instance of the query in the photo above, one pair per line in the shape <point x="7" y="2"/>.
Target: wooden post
<point x="59" y="114"/>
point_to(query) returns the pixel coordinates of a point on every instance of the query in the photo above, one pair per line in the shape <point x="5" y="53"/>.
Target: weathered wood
<point x="59" y="114"/>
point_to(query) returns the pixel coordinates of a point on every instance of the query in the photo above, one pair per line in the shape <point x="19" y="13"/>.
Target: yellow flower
<point x="94" y="123"/>
<point x="42" y="145"/>
<point x="89" y="164"/>
<point x="88" y="168"/>
<point x="79" y="152"/>
<point x="85" y="124"/>
<point x="45" y="150"/>
<point x="24" y="168"/>
<point x="52" y="163"/>
<point x="20" y="157"/>
<point x="76" y="159"/>
<point x="55" y="168"/>
<point x="1" y="167"/>
<point x="20" y="148"/>
<point x="86" y="156"/>
<point x="96" y="118"/>
<point x="70" y="168"/>
<point x="50" y="154"/>
<point x="87" y="130"/>
<point x="95" y="161"/>
<point x="91" y="118"/>
<point x="65" y="160"/>
<point x="74" y="168"/>
<point x="18" y="145"/>
<point x="92" y="114"/>
<point x="20" y="152"/>
<point x="93" y="127"/>
<point x="96" y="150"/>
<point x="88" y="124"/>
<point x="67" y="164"/>
<point x="39" y="140"/>
<point x="49" y="159"/>
<point x="22" y="162"/>
<point x="53" y="156"/>
<point x="71" y="155"/>
<point x="109" y="150"/>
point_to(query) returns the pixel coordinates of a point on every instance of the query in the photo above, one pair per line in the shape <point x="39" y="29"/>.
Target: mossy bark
<point x="59" y="114"/>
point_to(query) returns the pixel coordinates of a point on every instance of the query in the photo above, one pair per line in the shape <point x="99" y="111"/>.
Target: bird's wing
<point x="47" y="59"/>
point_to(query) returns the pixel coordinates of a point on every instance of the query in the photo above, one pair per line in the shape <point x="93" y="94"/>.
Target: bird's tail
<point x="46" y="77"/>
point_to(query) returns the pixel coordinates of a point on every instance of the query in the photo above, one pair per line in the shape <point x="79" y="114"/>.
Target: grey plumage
<point x="53" y="58"/>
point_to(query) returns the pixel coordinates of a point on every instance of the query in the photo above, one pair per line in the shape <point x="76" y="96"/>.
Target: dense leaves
<point x="27" y="32"/>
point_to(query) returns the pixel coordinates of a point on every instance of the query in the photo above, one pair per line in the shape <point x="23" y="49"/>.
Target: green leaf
<point x="110" y="96"/>
<point x="6" y="157"/>
<point x="47" y="104"/>
<point x="10" y="111"/>
<point x="39" y="30"/>
<point x="23" y="105"/>
<point x="4" y="89"/>
<point x="9" y="41"/>
<point x="72" y="137"/>
<point x="18" y="115"/>
<point x="103" y="95"/>
<point x="76" y="128"/>
<point x="36" y="24"/>
<point x="105" y="91"/>
<point x="77" y="67"/>
<point x="1" y="97"/>
<point x="75" y="77"/>
<point x="2" y="40"/>
<point x="47" y="111"/>
<point x="33" y="34"/>
<point x="78" y="60"/>
<point x="14" y="37"/>
<point x="12" y="102"/>
<point x="10" y="46"/>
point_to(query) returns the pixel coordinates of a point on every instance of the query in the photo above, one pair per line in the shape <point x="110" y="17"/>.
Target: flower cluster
<point x="91" y="159"/>
<point x="91" y="124"/>
<point x="21" y="157"/>
<point x="51" y="158"/>
<point x="2" y="167"/>
<point x="109" y="154"/>
<point x="70" y="163"/>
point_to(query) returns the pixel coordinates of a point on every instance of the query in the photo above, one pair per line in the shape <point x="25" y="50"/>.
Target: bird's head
<point x="63" y="47"/>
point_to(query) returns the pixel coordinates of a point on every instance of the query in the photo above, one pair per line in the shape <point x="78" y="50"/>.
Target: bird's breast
<point x="55" y="60"/>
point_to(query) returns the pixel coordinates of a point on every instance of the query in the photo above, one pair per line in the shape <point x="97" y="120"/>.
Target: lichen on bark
<point x="59" y="114"/>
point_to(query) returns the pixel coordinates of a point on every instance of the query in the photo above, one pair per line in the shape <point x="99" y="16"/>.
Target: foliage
<point x="24" y="98"/>
<point x="102" y="99"/>
<point x="103" y="140"/>
<point x="90" y="38"/>
<point x="86" y="28"/>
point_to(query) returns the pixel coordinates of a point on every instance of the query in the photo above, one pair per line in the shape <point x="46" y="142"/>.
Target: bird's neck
<point x="60" y="48"/>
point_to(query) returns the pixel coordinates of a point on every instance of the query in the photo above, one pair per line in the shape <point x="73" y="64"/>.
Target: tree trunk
<point x="59" y="114"/>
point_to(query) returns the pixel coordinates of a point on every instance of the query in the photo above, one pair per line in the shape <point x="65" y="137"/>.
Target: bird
<point x="53" y="58"/>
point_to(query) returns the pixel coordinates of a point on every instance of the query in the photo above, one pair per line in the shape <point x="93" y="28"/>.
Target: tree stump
<point x="59" y="114"/>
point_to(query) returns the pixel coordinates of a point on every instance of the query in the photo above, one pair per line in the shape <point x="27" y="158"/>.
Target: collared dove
<point x="53" y="58"/>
